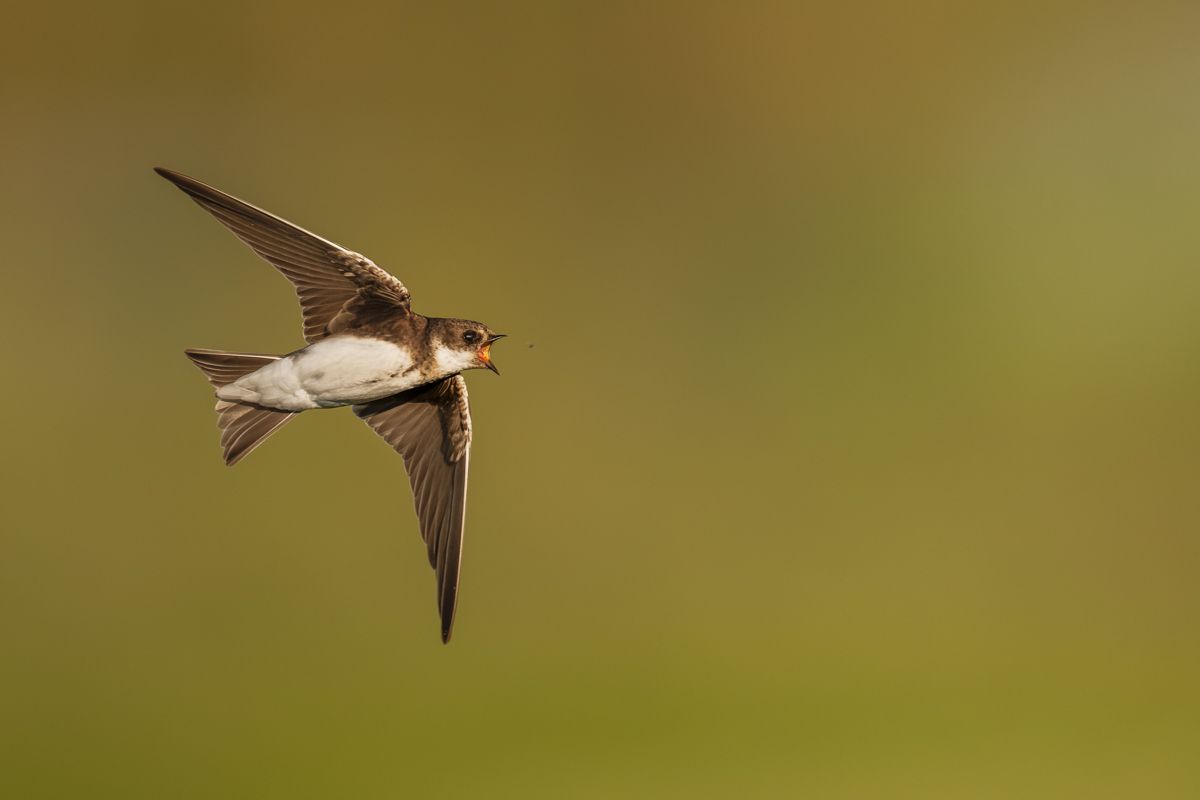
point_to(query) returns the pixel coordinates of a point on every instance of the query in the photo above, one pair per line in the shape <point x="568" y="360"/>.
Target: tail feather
<point x="225" y="368"/>
<point x="243" y="426"/>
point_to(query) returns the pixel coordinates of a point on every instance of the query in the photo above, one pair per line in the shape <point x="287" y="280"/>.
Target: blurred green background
<point x="846" y="444"/>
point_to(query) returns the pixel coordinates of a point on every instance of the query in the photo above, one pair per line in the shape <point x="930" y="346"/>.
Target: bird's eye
<point x="470" y="337"/>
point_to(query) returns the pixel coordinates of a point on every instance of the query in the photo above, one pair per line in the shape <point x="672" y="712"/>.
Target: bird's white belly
<point x="338" y="371"/>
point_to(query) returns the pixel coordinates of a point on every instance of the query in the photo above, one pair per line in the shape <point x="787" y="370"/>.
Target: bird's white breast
<point x="338" y="371"/>
<point x="451" y="362"/>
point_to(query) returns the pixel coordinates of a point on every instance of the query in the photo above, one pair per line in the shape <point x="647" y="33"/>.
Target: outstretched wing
<point x="430" y="426"/>
<point x="325" y="275"/>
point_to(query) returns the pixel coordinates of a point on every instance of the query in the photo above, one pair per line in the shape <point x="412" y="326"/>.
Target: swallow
<point x="399" y="371"/>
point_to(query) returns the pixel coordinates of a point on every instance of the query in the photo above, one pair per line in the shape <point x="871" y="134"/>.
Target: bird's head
<point x="461" y="344"/>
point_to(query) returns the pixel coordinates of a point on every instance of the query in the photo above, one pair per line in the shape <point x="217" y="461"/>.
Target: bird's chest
<point x="338" y="371"/>
<point x="351" y="369"/>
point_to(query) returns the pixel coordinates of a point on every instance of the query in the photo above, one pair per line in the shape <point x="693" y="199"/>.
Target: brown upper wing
<point x="325" y="275"/>
<point x="430" y="426"/>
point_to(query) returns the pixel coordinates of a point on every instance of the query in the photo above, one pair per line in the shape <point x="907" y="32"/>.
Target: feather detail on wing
<point x="326" y="275"/>
<point x="430" y="426"/>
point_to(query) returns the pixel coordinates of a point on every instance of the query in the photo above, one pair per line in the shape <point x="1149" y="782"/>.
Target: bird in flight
<point x="399" y="371"/>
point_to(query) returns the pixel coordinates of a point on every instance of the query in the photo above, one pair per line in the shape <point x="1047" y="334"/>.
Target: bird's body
<point x="338" y="371"/>
<point x="345" y="370"/>
<point x="367" y="349"/>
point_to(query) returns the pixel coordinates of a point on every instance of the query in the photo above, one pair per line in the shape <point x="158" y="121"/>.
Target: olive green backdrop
<point x="846" y="445"/>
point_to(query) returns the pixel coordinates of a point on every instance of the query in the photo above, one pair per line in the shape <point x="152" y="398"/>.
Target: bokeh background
<point x="846" y="444"/>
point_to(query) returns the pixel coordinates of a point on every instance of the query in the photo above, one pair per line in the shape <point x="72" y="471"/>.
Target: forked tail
<point x="243" y="426"/>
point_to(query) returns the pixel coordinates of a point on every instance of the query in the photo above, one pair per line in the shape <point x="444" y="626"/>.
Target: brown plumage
<point x="430" y="426"/>
<point x="398" y="369"/>
<point x="243" y="426"/>
<point x="326" y="276"/>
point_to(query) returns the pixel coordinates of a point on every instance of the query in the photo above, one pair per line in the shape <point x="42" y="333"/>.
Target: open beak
<point x="485" y="352"/>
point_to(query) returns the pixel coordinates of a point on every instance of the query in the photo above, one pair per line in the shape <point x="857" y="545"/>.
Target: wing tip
<point x="171" y="175"/>
<point x="447" y="615"/>
<point x="189" y="185"/>
<point x="198" y="190"/>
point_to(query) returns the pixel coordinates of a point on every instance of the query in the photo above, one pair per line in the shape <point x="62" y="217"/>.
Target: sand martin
<point x="400" y="372"/>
